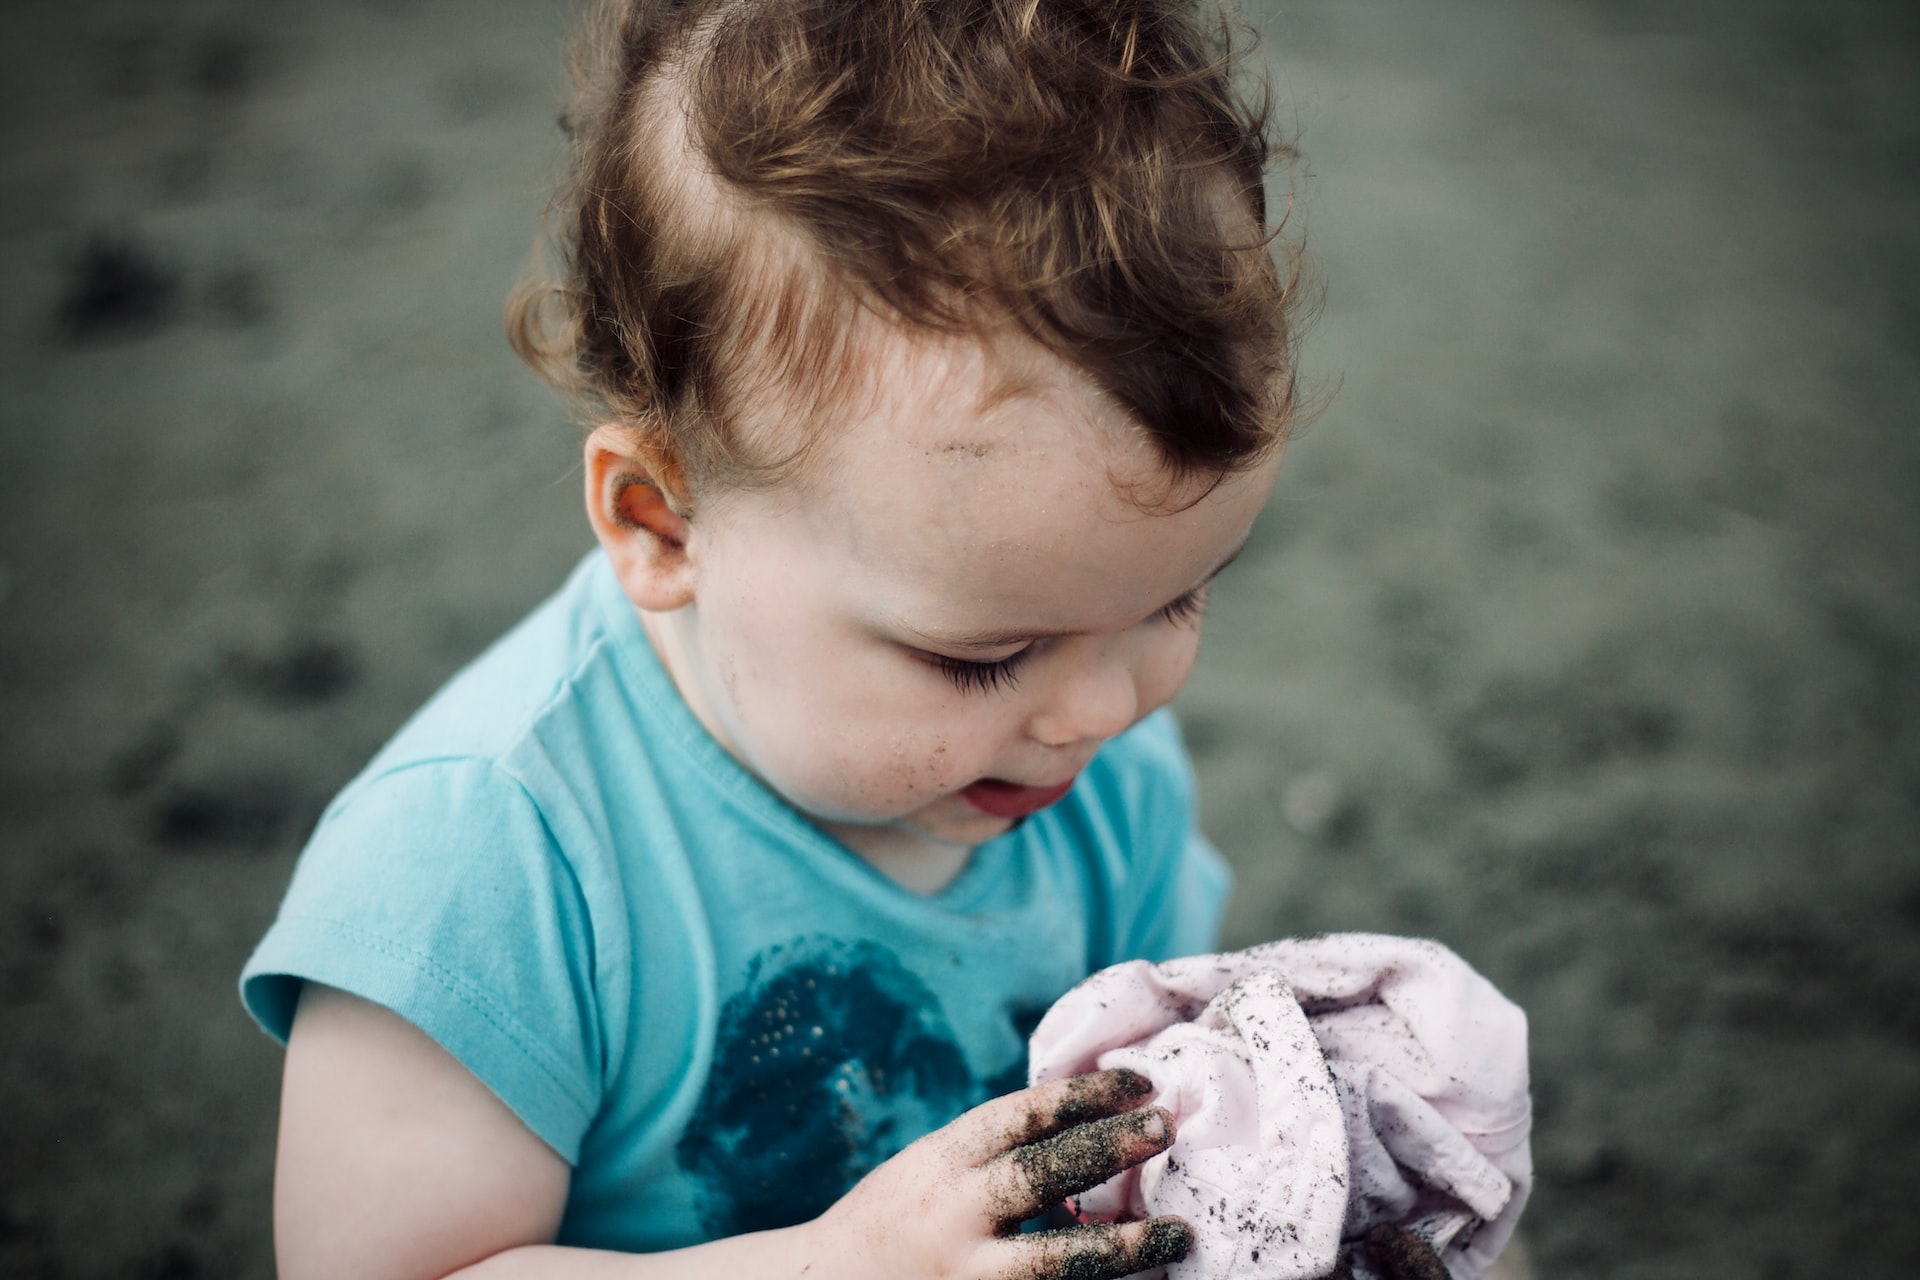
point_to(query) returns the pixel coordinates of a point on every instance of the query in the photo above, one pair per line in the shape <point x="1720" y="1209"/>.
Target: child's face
<point x="937" y="625"/>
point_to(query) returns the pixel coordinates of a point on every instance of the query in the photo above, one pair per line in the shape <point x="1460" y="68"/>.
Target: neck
<point x="664" y="634"/>
<point x="915" y="862"/>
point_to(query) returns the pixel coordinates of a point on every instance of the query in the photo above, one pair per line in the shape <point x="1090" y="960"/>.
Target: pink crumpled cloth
<point x="1320" y="1087"/>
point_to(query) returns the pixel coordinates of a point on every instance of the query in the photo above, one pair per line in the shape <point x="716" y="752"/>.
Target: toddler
<point x="936" y="363"/>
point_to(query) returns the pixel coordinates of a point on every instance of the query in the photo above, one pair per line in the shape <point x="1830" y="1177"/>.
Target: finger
<point x="1093" y="1253"/>
<point x="1017" y="1119"/>
<point x="1403" y="1255"/>
<point x="1032" y="1179"/>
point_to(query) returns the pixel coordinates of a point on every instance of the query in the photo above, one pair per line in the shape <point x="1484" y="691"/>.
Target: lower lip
<point x="1010" y="799"/>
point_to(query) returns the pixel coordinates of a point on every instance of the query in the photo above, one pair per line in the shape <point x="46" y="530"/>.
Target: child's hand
<point x="951" y="1204"/>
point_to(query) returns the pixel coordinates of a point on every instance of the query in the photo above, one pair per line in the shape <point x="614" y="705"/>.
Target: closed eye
<point x="1187" y="608"/>
<point x="1003" y="673"/>
<point x="980" y="677"/>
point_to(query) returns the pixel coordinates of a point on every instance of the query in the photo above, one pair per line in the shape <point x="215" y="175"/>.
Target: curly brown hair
<point x="754" y="180"/>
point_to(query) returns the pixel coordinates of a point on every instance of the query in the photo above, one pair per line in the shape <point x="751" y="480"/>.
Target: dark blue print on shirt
<point x="1015" y="1075"/>
<point x="832" y="1058"/>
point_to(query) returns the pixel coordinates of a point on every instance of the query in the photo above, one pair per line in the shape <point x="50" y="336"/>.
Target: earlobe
<point x="641" y="525"/>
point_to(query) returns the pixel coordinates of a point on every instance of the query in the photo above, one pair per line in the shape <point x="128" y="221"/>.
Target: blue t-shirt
<point x="717" y="1013"/>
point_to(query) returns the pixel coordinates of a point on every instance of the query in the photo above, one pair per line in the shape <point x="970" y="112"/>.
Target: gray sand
<point x="1582" y="637"/>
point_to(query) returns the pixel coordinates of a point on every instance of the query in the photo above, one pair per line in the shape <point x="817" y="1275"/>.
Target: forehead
<point x="949" y="430"/>
<point x="972" y="477"/>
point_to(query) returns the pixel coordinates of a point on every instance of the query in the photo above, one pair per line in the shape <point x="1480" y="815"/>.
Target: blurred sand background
<point x="1582" y="636"/>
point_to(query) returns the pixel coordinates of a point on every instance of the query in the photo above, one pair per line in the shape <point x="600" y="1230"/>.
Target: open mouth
<point x="1012" y="799"/>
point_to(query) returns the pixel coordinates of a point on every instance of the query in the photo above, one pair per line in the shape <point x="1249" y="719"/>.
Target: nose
<point x="1095" y="699"/>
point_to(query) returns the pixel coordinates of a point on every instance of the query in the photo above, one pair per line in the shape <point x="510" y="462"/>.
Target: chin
<point x="970" y="828"/>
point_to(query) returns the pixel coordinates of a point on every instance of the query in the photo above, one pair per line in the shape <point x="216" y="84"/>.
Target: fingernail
<point x="1155" y="1125"/>
<point x="1167" y="1240"/>
<point x="1131" y="1083"/>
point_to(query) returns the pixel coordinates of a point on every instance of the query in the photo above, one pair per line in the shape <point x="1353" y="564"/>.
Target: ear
<point x="641" y="521"/>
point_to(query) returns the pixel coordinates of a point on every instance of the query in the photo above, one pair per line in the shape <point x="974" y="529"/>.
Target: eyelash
<point x="980" y="677"/>
<point x="1187" y="608"/>
<point x="1003" y="673"/>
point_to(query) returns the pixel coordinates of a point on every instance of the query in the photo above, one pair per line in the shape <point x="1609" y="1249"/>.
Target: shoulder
<point x="464" y="816"/>
<point x="1145" y="772"/>
<point x="522" y="685"/>
<point x="1133" y="806"/>
<point x="1156" y="885"/>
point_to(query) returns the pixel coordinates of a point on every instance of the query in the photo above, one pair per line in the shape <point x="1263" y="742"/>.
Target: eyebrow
<point x="1000" y="639"/>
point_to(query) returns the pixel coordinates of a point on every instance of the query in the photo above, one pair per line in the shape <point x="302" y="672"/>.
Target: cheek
<point x="842" y="730"/>
<point x="866" y="758"/>
<point x="1165" y="667"/>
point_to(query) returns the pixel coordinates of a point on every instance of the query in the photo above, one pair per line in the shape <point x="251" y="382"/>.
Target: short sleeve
<point x="1180" y="881"/>
<point x="438" y="891"/>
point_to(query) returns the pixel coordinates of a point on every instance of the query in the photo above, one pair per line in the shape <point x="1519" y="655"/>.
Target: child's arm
<point x="396" y="1163"/>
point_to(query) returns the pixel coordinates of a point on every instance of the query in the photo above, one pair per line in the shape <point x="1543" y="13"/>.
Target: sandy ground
<point x="1583" y="635"/>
